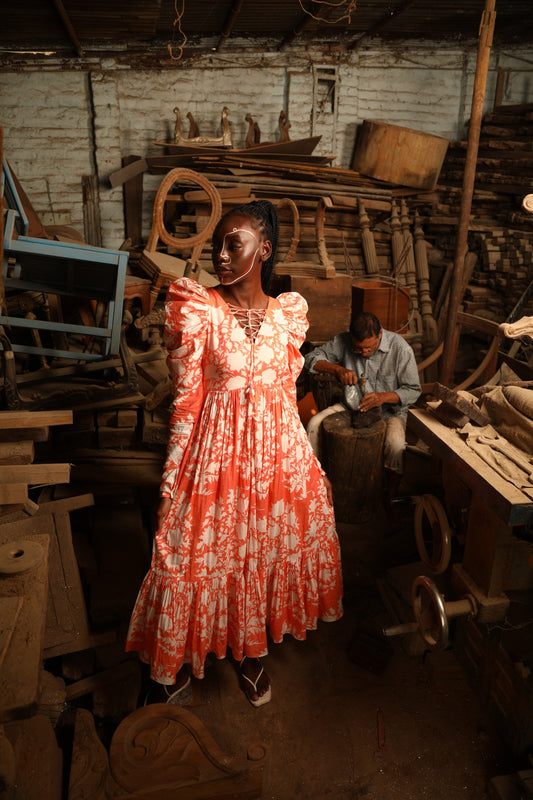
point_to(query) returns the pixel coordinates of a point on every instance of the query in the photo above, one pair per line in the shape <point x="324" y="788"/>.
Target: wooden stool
<point x="138" y="288"/>
<point x="353" y="462"/>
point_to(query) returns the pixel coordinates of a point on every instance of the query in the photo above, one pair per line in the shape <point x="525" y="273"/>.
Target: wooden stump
<point x="353" y="463"/>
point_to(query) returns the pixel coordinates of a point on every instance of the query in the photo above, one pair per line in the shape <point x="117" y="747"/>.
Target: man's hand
<point x="374" y="399"/>
<point x="346" y="376"/>
<point x="371" y="400"/>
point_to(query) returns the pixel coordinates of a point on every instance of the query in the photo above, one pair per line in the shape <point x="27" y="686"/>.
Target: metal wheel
<point x="430" y="613"/>
<point x="427" y="505"/>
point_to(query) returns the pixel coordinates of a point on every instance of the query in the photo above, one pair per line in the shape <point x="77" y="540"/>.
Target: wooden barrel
<point x="399" y="155"/>
<point x="353" y="462"/>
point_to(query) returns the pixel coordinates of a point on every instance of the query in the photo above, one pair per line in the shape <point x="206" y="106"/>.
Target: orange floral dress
<point x="249" y="542"/>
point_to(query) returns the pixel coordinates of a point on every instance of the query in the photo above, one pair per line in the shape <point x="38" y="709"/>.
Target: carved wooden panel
<point x="159" y="752"/>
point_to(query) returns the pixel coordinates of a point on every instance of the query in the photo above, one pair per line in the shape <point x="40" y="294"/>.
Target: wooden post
<point x="485" y="42"/>
<point x="428" y="321"/>
<point x="397" y="245"/>
<point x="367" y="240"/>
<point x="415" y="325"/>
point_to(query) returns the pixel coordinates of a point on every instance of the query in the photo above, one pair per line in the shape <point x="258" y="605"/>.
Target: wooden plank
<point x="25" y="434"/>
<point x="67" y="626"/>
<point x="298" y="146"/>
<point x="200" y="195"/>
<point x="510" y="504"/>
<point x="119" y="672"/>
<point x="34" y="474"/>
<point x="20" y="672"/>
<point x="133" y="195"/>
<point x="17" y="452"/>
<point x="13" y="493"/>
<point x="33" y="419"/>
<point x="9" y="614"/>
<point x="128" y="172"/>
<point x="66" y="504"/>
<point x="67" y="621"/>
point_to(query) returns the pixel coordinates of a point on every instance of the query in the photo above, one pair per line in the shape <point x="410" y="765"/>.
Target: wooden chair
<point x="162" y="268"/>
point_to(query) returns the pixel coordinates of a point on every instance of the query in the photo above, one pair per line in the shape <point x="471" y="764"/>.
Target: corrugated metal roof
<point x="62" y="24"/>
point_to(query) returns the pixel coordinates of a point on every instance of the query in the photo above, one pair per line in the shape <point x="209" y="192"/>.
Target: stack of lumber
<point x="306" y="187"/>
<point x="19" y="430"/>
<point x="500" y="231"/>
<point x="504" y="161"/>
<point x="240" y="177"/>
<point x="42" y="606"/>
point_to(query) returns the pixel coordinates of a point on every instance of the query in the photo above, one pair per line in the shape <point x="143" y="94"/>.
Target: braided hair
<point x="266" y="216"/>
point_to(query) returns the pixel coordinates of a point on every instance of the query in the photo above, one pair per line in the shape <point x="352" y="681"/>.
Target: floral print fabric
<point x="249" y="542"/>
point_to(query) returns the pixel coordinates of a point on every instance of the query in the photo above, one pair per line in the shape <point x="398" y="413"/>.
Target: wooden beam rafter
<point x="229" y="23"/>
<point x="69" y="26"/>
<point x="304" y="22"/>
<point x="382" y="23"/>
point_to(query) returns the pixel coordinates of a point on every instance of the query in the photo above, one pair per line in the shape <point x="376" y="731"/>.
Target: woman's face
<point x="237" y="249"/>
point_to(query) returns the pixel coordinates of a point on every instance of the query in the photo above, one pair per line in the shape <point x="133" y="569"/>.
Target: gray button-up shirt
<point x="391" y="368"/>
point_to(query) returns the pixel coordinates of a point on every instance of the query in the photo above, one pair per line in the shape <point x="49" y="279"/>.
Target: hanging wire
<point x="177" y="22"/>
<point x="350" y="8"/>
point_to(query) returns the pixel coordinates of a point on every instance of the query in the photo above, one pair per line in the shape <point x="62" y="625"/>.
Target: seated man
<point x="377" y="368"/>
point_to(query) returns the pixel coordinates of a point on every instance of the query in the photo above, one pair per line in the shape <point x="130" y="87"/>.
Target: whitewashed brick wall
<point x="61" y="124"/>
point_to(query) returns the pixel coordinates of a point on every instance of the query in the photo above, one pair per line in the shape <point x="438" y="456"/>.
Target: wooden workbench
<point x="492" y="507"/>
<point x="510" y="504"/>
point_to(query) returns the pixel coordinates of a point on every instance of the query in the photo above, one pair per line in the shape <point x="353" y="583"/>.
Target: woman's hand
<point x="329" y="489"/>
<point x="162" y="510"/>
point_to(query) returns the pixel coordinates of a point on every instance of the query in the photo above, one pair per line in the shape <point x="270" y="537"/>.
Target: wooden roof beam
<point x="382" y="23"/>
<point x="229" y="23"/>
<point x="69" y="26"/>
<point x="290" y="37"/>
<point x="302" y="25"/>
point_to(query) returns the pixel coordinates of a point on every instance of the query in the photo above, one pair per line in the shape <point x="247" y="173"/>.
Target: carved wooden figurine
<point x="284" y="126"/>
<point x="194" y="131"/>
<point x="209" y="141"/>
<point x="254" y="134"/>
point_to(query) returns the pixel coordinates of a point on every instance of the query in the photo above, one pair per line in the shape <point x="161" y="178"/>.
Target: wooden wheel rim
<point x="159" y="203"/>
<point x="431" y="506"/>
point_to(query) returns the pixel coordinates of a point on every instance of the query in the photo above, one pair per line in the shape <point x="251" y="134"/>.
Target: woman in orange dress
<point x="246" y="540"/>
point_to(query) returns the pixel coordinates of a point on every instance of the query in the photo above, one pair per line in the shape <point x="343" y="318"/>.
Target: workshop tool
<point x="433" y="613"/>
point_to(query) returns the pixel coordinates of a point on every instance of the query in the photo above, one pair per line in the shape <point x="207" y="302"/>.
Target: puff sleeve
<point x="186" y="324"/>
<point x="294" y="308"/>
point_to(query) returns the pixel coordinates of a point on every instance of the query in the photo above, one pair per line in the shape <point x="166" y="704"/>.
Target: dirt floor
<point x="320" y="730"/>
